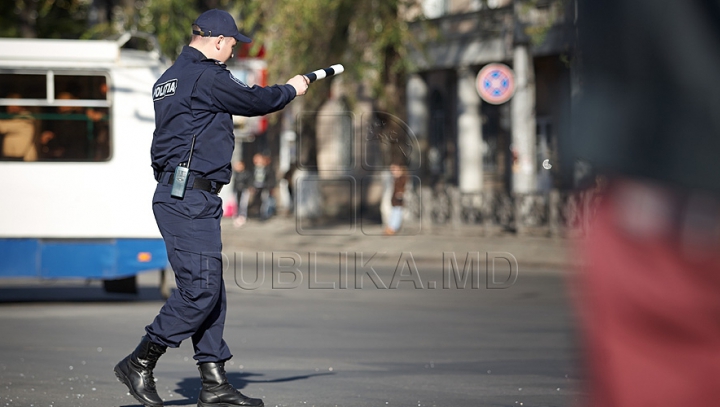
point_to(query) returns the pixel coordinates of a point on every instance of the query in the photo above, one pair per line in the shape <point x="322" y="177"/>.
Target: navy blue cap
<point x="214" y="23"/>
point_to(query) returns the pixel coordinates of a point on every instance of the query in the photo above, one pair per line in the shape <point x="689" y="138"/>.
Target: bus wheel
<point x="165" y="289"/>
<point x="127" y="285"/>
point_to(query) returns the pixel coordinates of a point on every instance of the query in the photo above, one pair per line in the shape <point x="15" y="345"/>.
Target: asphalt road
<point x="356" y="347"/>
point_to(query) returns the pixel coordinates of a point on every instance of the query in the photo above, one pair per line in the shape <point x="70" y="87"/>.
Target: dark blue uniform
<point x="197" y="97"/>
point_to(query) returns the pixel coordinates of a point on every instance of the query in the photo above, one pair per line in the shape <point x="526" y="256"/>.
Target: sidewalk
<point x="281" y="234"/>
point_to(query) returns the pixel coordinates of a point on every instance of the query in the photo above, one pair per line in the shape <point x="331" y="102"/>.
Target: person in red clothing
<point x="648" y="293"/>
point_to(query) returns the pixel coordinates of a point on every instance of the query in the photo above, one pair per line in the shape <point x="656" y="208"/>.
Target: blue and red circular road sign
<point x="496" y="83"/>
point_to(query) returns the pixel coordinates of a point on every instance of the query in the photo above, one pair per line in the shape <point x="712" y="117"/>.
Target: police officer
<point x="194" y="100"/>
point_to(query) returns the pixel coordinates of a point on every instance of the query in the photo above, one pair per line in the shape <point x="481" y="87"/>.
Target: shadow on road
<point x="190" y="387"/>
<point x="67" y="293"/>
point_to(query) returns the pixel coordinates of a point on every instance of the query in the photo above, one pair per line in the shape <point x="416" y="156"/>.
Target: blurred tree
<point x="8" y="21"/>
<point x="43" y="18"/>
<point x="168" y="20"/>
<point x="370" y="38"/>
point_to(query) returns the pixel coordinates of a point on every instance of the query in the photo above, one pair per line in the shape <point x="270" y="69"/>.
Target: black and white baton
<point x="325" y="72"/>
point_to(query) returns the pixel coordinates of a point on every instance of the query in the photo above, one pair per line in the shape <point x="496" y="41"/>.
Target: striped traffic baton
<point x="325" y="72"/>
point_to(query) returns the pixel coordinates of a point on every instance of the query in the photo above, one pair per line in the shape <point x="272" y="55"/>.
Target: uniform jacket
<point x="198" y="96"/>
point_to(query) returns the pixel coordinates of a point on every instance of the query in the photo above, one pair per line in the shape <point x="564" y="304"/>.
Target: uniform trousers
<point x="191" y="230"/>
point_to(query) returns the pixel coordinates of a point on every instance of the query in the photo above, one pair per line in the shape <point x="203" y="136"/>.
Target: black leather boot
<point x="135" y="371"/>
<point x="217" y="392"/>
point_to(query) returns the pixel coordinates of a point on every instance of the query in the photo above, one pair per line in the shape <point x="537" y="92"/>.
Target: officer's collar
<point x="197" y="55"/>
<point x="194" y="53"/>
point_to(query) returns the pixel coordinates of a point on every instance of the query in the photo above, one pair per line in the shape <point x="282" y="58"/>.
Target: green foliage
<point x="539" y="17"/>
<point x="368" y="37"/>
<point x="170" y="21"/>
<point x="62" y="18"/>
<point x="43" y="18"/>
<point x="8" y="20"/>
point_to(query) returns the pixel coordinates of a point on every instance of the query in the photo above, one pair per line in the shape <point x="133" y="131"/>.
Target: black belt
<point x="213" y="187"/>
<point x="200" y="183"/>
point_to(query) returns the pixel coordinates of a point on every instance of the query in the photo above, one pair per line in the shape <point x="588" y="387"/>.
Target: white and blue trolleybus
<point x="76" y="123"/>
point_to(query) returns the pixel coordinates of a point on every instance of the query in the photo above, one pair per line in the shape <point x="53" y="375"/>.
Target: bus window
<point x="73" y="133"/>
<point x="82" y="87"/>
<point x="73" y="125"/>
<point x="29" y="86"/>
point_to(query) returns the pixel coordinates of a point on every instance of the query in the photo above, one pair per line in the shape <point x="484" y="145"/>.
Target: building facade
<point x="498" y="165"/>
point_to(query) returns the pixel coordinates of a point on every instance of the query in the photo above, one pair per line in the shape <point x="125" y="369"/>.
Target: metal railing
<point x="557" y="213"/>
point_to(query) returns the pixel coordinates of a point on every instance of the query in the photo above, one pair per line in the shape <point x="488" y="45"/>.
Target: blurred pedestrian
<point x="242" y="179"/>
<point x="399" y="176"/>
<point x="262" y="185"/>
<point x="17" y="133"/>
<point x="194" y="103"/>
<point x="289" y="178"/>
<point x="648" y="293"/>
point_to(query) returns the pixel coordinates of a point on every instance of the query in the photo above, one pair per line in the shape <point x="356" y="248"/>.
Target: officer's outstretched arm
<point x="233" y="96"/>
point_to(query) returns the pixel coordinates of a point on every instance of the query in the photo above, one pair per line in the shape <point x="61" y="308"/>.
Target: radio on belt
<point x="180" y="178"/>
